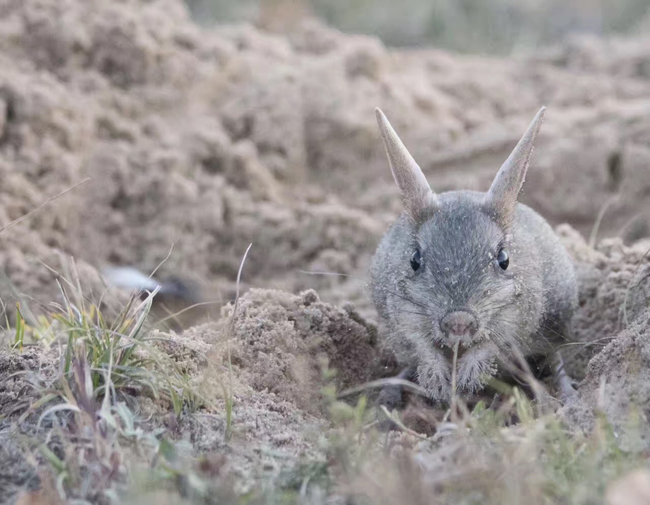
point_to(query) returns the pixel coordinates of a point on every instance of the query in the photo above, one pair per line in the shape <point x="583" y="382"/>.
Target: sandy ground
<point x="198" y="143"/>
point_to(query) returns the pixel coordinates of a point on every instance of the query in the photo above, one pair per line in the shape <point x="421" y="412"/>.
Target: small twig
<point x="332" y="274"/>
<point x="162" y="262"/>
<point x="629" y="286"/>
<point x="601" y="214"/>
<point x="190" y="307"/>
<point x="234" y="310"/>
<point x="454" y="393"/>
<point x="231" y="328"/>
<point x="398" y="422"/>
<point x="453" y="369"/>
<point x="623" y="229"/>
<point x="384" y="382"/>
<point x="46" y="202"/>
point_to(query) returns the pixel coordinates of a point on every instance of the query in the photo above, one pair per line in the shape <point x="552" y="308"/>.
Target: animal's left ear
<point x="502" y="196"/>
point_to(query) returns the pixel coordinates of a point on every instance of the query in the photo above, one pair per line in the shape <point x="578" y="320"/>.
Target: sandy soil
<point x="201" y="142"/>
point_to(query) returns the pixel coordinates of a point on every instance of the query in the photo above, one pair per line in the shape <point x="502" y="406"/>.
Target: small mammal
<point x="178" y="303"/>
<point x="478" y="272"/>
<point x="169" y="288"/>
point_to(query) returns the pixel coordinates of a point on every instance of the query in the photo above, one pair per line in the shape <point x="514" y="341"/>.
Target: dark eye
<point x="416" y="260"/>
<point x="502" y="259"/>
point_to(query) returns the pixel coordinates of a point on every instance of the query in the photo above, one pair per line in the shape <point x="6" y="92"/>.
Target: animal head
<point x="460" y="273"/>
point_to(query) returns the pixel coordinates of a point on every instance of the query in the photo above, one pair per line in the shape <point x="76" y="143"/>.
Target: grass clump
<point x="120" y="352"/>
<point x="513" y="454"/>
<point x="82" y="419"/>
<point x="485" y="459"/>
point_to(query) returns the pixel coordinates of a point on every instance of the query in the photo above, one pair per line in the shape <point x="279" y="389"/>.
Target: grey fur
<point x="525" y="309"/>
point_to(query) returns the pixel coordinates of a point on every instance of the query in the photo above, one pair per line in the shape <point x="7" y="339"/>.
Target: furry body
<point x="472" y="271"/>
<point x="527" y="308"/>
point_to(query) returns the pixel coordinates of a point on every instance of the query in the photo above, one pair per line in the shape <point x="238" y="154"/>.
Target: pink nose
<point x="459" y="323"/>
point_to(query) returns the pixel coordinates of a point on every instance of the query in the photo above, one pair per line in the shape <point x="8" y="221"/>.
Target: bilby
<point x="474" y="274"/>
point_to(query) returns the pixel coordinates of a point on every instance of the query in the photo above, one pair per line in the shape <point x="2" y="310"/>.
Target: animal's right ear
<point x="418" y="198"/>
<point x="503" y="193"/>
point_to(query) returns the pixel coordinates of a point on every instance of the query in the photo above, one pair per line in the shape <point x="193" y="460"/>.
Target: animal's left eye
<point x="416" y="260"/>
<point x="502" y="259"/>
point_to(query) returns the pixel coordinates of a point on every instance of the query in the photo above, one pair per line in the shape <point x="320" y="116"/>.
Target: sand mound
<point x="613" y="292"/>
<point x="285" y="344"/>
<point x="616" y="385"/>
<point x="612" y="324"/>
<point x="281" y="353"/>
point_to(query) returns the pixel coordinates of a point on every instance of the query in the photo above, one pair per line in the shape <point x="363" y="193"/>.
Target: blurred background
<point x="202" y="126"/>
<point x="477" y="26"/>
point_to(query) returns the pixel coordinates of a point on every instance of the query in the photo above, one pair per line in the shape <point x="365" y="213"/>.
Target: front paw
<point x="475" y="369"/>
<point x="435" y="377"/>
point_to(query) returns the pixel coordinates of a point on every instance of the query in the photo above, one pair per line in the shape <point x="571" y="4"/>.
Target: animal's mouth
<point x="462" y="341"/>
<point x="463" y="346"/>
<point x="448" y="352"/>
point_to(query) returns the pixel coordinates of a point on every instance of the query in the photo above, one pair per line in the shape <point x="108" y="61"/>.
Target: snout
<point x="459" y="325"/>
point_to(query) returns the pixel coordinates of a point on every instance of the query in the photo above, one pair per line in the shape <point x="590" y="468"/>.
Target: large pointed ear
<point x="417" y="196"/>
<point x="502" y="196"/>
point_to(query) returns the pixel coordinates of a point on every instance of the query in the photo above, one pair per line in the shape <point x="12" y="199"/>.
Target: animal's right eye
<point x="502" y="259"/>
<point x="416" y="260"/>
